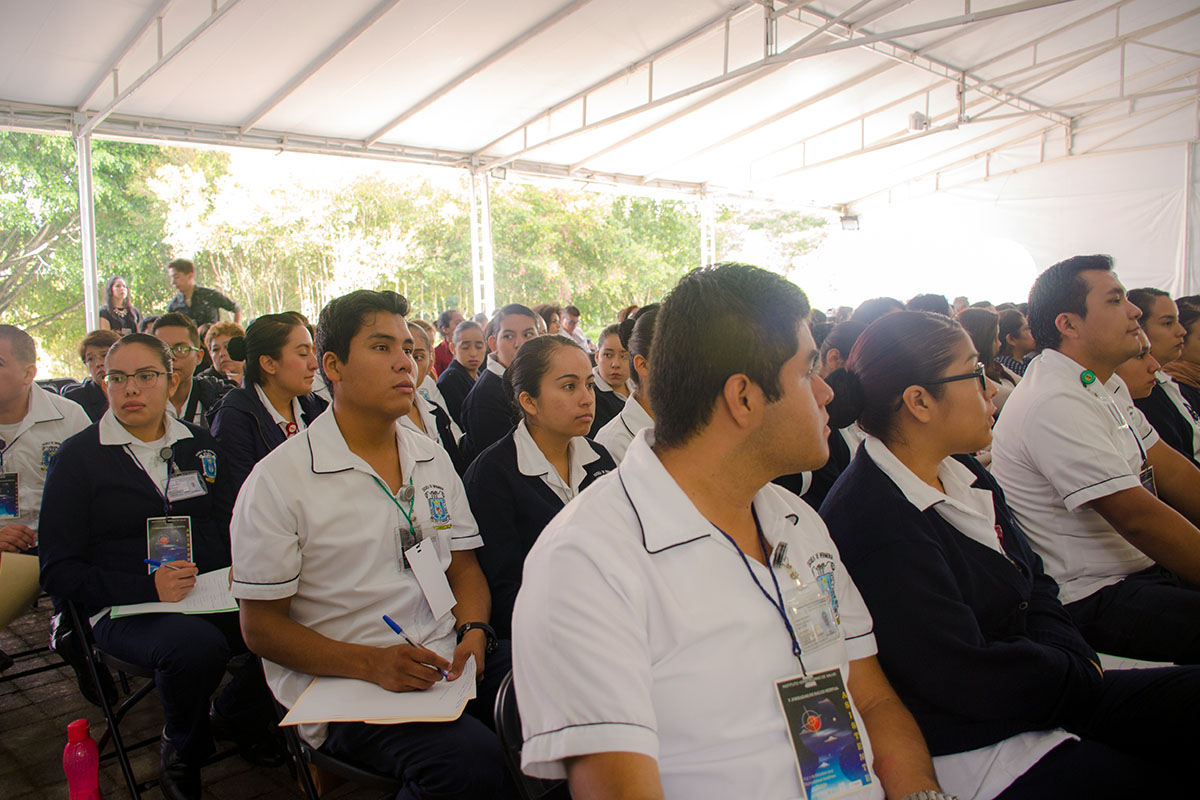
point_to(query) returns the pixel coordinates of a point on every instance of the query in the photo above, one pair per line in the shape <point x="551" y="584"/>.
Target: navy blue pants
<point x="458" y="760"/>
<point x="1152" y="615"/>
<point x="1137" y="741"/>
<point x="189" y="654"/>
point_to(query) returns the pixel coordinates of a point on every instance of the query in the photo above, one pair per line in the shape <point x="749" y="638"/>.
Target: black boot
<point x="180" y="780"/>
<point x="258" y="744"/>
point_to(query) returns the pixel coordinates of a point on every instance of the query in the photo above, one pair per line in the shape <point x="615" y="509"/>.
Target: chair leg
<point x="292" y="738"/>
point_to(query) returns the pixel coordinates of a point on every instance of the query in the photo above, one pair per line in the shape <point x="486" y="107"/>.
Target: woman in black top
<point x="1174" y="416"/>
<point x="456" y="380"/>
<point x="612" y="374"/>
<point x="969" y="627"/>
<point x="141" y="486"/>
<point x="118" y="313"/>
<point x="520" y="482"/>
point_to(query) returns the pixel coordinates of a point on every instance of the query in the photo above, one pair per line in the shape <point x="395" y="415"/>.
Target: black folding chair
<point x="305" y="756"/>
<point x="508" y="728"/>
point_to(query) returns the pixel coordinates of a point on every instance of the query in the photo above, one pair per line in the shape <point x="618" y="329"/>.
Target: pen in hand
<point x="391" y="623"/>
<point x="154" y="563"/>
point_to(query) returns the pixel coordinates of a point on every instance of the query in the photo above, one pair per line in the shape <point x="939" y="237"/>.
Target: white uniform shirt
<point x="311" y="523"/>
<point x="49" y="421"/>
<point x="1182" y="406"/>
<point x="638" y="629"/>
<point x="983" y="773"/>
<point x="618" y="432"/>
<point x="147" y="455"/>
<point x="197" y="415"/>
<point x="492" y="365"/>
<point x="532" y="462"/>
<point x="1059" y="445"/>
<point x="297" y="412"/>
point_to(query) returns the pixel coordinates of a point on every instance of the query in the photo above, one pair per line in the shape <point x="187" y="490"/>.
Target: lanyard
<point x="777" y="600"/>
<point x="171" y="468"/>
<point x="1112" y="403"/>
<point x="411" y="498"/>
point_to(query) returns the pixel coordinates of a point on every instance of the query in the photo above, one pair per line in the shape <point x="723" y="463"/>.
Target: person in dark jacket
<point x="276" y="402"/>
<point x="427" y="417"/>
<point x="195" y="397"/>
<point x="1167" y="408"/>
<point x="90" y="394"/>
<point x="142" y="486"/>
<point x="457" y="379"/>
<point x="613" y="373"/>
<point x="1011" y="699"/>
<point x="519" y="483"/>
<point x="487" y="412"/>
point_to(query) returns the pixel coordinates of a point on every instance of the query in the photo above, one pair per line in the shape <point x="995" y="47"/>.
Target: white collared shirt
<point x="1058" y="446"/>
<point x="425" y="409"/>
<point x="297" y="412"/>
<point x="638" y="629"/>
<point x="197" y="416"/>
<point x="432" y="394"/>
<point x="532" y="462"/>
<point x="618" y="432"/>
<point x="147" y="455"/>
<point x="492" y="365"/>
<point x="1182" y="406"/>
<point x="48" y="422"/>
<point x="313" y="523"/>
<point x="605" y="386"/>
<point x="983" y="773"/>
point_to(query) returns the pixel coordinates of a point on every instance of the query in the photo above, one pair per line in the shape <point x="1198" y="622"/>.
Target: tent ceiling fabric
<point x="807" y="102"/>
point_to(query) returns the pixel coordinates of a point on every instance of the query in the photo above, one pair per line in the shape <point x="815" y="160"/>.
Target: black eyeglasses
<point x="978" y="375"/>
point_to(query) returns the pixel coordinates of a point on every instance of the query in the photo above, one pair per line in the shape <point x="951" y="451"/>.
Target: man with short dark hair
<point x="196" y="396"/>
<point x="91" y="394"/>
<point x="488" y="413"/>
<point x="1111" y="509"/>
<point x="201" y="304"/>
<point x="443" y="354"/>
<point x="685" y="629"/>
<point x="570" y="326"/>
<point x="324" y="536"/>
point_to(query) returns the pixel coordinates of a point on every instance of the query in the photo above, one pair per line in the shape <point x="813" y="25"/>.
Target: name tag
<point x="825" y="736"/>
<point x="185" y="486"/>
<point x="168" y="539"/>
<point x="809" y="613"/>
<point x="10" y="496"/>
<point x="427" y="569"/>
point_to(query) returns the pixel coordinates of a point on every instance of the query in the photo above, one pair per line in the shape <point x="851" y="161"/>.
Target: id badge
<point x="10" y="496"/>
<point x="185" y="486"/>
<point x="812" y="619"/>
<point x="1146" y="476"/>
<point x="168" y="539"/>
<point x="405" y="539"/>
<point x="825" y="736"/>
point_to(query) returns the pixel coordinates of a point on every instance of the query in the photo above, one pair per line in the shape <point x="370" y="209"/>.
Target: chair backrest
<point x="508" y="728"/>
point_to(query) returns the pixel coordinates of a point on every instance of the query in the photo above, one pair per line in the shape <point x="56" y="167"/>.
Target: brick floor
<point x="35" y="710"/>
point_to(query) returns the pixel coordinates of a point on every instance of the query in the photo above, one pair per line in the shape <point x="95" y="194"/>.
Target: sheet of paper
<point x="210" y="595"/>
<point x="423" y="559"/>
<point x="349" y="700"/>
<point x="18" y="585"/>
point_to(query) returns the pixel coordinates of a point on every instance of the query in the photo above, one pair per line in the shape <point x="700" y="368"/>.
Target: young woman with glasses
<point x="136" y="507"/>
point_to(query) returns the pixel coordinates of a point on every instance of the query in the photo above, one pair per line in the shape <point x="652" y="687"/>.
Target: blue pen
<point x="154" y="563"/>
<point x="395" y="626"/>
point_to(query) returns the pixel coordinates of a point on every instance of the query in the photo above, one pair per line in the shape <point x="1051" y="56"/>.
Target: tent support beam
<point x="708" y="231"/>
<point x="153" y="19"/>
<point x="1189" y="235"/>
<point x="482" y="262"/>
<point x="87" y="229"/>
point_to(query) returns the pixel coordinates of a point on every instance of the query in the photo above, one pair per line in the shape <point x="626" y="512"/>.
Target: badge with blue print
<point x="48" y="451"/>
<point x="824" y="733"/>
<point x="439" y="511"/>
<point x="208" y="464"/>
<point x="10" y="496"/>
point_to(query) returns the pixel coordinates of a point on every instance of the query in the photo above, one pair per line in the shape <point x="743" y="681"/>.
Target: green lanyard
<point x="412" y="498"/>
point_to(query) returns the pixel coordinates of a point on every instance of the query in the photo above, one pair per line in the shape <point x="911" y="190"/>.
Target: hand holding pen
<point x="173" y="579"/>
<point x="409" y="666"/>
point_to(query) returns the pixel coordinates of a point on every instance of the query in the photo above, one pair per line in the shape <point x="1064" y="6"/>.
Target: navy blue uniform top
<point x="512" y="509"/>
<point x="608" y="406"/>
<point x="244" y="428"/>
<point x="89" y="395"/>
<point x="1165" y="417"/>
<point x="487" y="414"/>
<point x="455" y="383"/>
<point x="92" y="531"/>
<point x="824" y="478"/>
<point x="978" y="647"/>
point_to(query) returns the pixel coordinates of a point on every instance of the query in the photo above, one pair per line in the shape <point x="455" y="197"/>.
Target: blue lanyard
<point x="776" y="601"/>
<point x="164" y="492"/>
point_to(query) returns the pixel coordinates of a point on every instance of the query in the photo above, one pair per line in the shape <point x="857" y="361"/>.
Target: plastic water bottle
<point x="81" y="762"/>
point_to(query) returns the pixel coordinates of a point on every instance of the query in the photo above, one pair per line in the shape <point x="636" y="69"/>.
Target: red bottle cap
<point x="78" y="731"/>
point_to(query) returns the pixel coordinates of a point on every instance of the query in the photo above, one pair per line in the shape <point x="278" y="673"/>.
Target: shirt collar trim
<point x="495" y="366"/>
<point x="113" y="433"/>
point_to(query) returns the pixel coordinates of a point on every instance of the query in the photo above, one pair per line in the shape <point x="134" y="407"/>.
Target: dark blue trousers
<point x="189" y="654"/>
<point x="458" y="760"/>
<point x="1152" y="615"/>
<point x="1137" y="741"/>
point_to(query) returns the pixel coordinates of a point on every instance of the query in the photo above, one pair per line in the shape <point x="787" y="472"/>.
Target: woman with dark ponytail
<point x="612" y="373"/>
<point x="275" y="401"/>
<point x="1009" y="696"/>
<point x="637" y="333"/>
<point x="517" y="485"/>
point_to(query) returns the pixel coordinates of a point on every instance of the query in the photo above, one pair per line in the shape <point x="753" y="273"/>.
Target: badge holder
<point x="10" y="496"/>
<point x="168" y="539"/>
<point x="824" y="734"/>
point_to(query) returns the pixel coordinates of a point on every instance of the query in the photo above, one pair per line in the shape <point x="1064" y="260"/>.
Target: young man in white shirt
<point x="322" y="535"/>
<point x="1110" y="508"/>
<point x="672" y="611"/>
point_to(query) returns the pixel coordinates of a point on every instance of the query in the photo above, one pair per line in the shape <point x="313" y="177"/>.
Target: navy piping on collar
<point x="313" y="465"/>
<point x="621" y="417"/>
<point x="642" y="527"/>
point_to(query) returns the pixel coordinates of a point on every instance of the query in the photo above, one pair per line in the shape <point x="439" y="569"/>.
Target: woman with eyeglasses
<point x="118" y="313"/>
<point x="135" y="507"/>
<point x="1011" y="700"/>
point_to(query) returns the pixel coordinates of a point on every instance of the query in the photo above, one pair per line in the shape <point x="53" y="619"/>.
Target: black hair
<point x="511" y="310"/>
<point x="265" y="336"/>
<point x="637" y="336"/>
<point x="108" y="292"/>
<point x="876" y="307"/>
<point x="530" y="365"/>
<point x="820" y="330"/>
<point x="1192" y="300"/>
<point x="174" y="319"/>
<point x="817" y="317"/>
<point x="898" y="351"/>
<point x="719" y="321"/>
<point x="983" y="326"/>
<point x="160" y="348"/>
<point x="842" y="338"/>
<point x="443" y="320"/>
<point x="613" y="330"/>
<point x="573" y="311"/>
<point x="466" y="325"/>
<point x="936" y="303"/>
<point x="182" y="265"/>
<point x="1144" y="298"/>
<point x="342" y="318"/>
<point x="21" y="343"/>
<point x="1005" y="307"/>
<point x="428" y="339"/>
<point x="547" y="310"/>
<point x="1011" y="321"/>
<point x="1188" y="316"/>
<point x="1061" y="289"/>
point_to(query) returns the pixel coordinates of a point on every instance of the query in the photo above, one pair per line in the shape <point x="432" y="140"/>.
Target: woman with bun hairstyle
<point x="637" y="333"/>
<point x="275" y="401"/>
<point x="519" y="483"/>
<point x="612" y="374"/>
<point x="1011" y="699"/>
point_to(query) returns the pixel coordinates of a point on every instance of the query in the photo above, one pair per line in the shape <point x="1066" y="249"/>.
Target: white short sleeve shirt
<point x="313" y="523"/>
<point x="30" y="445"/>
<point x="1059" y="445"/>
<point x="618" y="432"/>
<point x="639" y="629"/>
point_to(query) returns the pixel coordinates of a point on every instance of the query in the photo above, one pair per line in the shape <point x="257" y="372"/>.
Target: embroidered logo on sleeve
<point x="822" y="566"/>
<point x="208" y="464"/>
<point x="48" y="451"/>
<point x="439" y="511"/>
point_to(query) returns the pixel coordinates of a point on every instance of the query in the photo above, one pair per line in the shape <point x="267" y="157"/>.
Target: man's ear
<point x="331" y="366"/>
<point x="1068" y="325"/>
<point x="743" y="400"/>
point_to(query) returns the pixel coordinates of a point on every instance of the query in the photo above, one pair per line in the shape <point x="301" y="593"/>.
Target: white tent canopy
<point x="1064" y="125"/>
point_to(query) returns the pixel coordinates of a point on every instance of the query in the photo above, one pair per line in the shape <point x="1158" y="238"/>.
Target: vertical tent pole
<point x="708" y="232"/>
<point x="482" y="262"/>
<point x="1189" y="219"/>
<point x="87" y="230"/>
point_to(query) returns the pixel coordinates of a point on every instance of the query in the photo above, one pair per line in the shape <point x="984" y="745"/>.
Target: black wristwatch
<point x="492" y="640"/>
